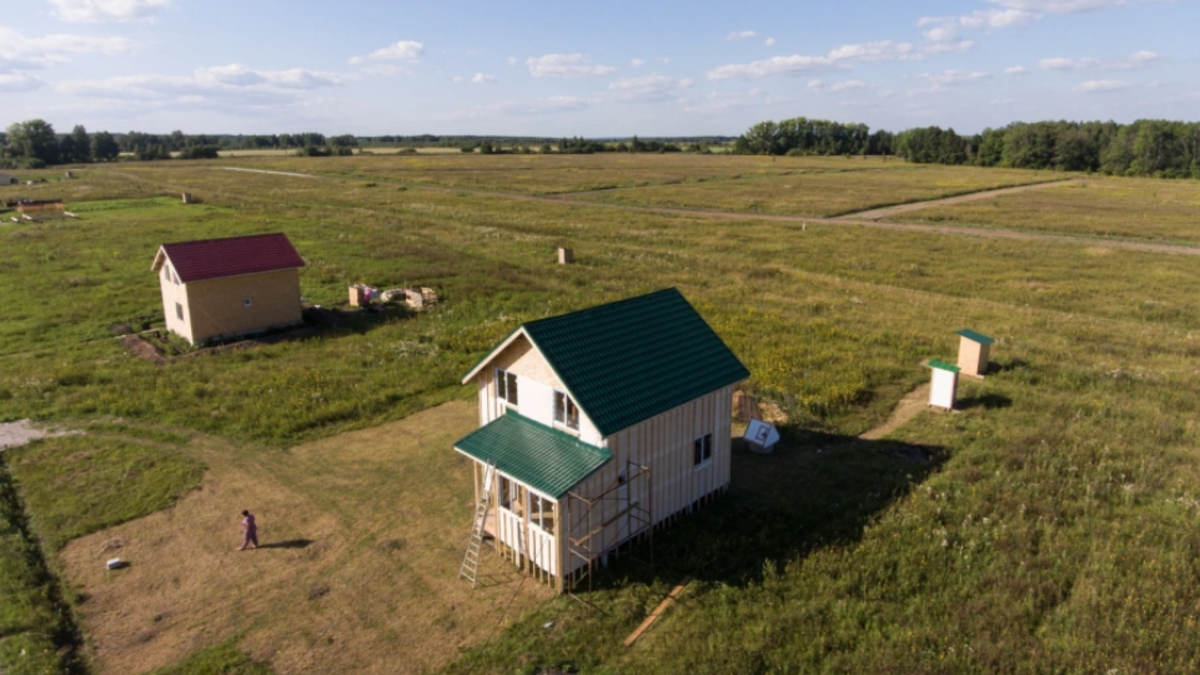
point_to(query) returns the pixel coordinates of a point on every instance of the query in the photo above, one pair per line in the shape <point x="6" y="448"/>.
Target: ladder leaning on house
<point x="470" y="563"/>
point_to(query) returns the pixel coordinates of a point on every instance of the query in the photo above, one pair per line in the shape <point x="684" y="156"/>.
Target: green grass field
<point x="1133" y="208"/>
<point x="1052" y="532"/>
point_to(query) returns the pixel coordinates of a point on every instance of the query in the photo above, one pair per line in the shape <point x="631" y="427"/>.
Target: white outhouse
<point x="944" y="386"/>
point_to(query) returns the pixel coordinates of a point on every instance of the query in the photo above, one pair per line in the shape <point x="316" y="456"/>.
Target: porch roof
<point x="545" y="459"/>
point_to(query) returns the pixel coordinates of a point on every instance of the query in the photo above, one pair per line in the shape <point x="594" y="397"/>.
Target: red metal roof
<point x="215" y="258"/>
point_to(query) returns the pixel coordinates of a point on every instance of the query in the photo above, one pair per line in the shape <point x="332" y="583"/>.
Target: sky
<point x="593" y="69"/>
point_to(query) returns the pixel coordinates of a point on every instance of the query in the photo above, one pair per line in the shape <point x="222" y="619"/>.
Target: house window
<point x="566" y="412"/>
<point x="179" y="311"/>
<point x="542" y="513"/>
<point x="506" y="386"/>
<point x="702" y="451"/>
<point x="247" y="302"/>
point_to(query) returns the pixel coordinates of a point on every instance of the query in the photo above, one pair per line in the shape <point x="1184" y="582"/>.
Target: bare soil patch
<point x="14" y="434"/>
<point x="362" y="536"/>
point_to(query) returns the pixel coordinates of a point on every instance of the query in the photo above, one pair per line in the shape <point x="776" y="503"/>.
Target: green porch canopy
<point x="545" y="459"/>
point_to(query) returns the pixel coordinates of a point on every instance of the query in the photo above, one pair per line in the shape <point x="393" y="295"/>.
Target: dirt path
<point x="273" y="173"/>
<point x="982" y="232"/>
<point x="15" y="434"/>
<point x="889" y="211"/>
<point x="362" y="535"/>
<point x="908" y="407"/>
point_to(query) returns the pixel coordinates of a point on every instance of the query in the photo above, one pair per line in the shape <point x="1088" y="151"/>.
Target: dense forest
<point x="1144" y="148"/>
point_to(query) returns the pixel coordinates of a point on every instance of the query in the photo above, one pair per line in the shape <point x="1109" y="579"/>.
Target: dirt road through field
<point x="889" y="211"/>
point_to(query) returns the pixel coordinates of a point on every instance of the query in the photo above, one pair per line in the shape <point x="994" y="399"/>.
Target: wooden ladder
<point x="470" y="563"/>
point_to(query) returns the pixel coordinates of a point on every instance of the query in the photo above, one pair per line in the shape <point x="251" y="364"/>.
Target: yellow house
<point x="596" y="427"/>
<point x="218" y="288"/>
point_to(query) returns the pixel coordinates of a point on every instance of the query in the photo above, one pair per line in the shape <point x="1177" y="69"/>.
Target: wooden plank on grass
<point x="662" y="607"/>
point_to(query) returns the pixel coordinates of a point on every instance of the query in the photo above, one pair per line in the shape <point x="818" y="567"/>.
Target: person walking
<point x="249" y="531"/>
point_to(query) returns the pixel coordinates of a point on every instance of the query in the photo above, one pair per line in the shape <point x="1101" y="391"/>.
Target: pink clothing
<point x="248" y="525"/>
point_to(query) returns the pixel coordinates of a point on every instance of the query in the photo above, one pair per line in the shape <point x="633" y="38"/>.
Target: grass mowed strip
<point x="1122" y="208"/>
<point x="37" y="634"/>
<point x="824" y="194"/>
<point x="75" y="485"/>
<point x="361" y="539"/>
<point x="222" y="659"/>
<point x="554" y="174"/>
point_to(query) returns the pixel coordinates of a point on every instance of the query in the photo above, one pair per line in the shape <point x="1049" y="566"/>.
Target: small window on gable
<point x="506" y="386"/>
<point x="566" y="412"/>
<point x="179" y="311"/>
<point x="247" y="302"/>
<point x="176" y="274"/>
<point x="702" y="451"/>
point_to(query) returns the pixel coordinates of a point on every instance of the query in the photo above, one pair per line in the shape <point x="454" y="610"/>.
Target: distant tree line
<point x="803" y="136"/>
<point x="1144" y="148"/>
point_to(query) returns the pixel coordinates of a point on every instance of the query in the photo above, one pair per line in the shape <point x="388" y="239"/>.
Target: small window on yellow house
<point x="566" y="412"/>
<point x="179" y="311"/>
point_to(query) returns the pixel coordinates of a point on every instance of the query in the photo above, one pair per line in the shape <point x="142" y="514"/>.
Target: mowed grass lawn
<point x="1065" y="483"/>
<point x="1123" y="208"/>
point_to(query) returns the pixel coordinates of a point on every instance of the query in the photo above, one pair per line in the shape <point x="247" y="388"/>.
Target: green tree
<point x="82" y="145"/>
<point x="105" y="147"/>
<point x="33" y="139"/>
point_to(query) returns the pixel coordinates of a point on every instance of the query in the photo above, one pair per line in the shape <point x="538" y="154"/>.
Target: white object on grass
<point x="761" y="436"/>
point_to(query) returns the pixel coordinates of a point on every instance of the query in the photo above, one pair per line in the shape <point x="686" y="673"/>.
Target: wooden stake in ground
<point x="662" y="607"/>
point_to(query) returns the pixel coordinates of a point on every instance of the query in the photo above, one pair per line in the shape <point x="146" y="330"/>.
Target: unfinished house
<point x="596" y="427"/>
<point x="219" y="288"/>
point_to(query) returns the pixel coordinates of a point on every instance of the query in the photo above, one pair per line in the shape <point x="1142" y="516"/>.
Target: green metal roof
<point x="627" y="361"/>
<point x="942" y="365"/>
<point x="976" y="337"/>
<point x="545" y="459"/>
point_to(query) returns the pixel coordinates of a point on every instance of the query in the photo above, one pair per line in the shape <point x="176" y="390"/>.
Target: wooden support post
<point x="658" y="611"/>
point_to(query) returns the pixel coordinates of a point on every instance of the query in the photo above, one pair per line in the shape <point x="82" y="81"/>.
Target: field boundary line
<point x="881" y="212"/>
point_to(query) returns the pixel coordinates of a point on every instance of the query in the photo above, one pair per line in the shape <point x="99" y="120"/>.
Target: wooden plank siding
<point x="663" y="443"/>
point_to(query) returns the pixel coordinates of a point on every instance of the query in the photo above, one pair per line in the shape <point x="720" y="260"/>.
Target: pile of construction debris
<point x="418" y="298"/>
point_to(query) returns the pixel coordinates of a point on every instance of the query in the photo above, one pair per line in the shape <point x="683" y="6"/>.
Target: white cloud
<point x="885" y="50"/>
<point x="776" y="65"/>
<point x="480" y="78"/>
<point x="1057" y="6"/>
<point x="686" y="82"/>
<point x="1135" y="61"/>
<point x="549" y="105"/>
<point x="941" y="82"/>
<point x="721" y="101"/>
<point x="1096" y="86"/>
<point x="637" y="63"/>
<point x="19" y="82"/>
<point x="1016" y="70"/>
<point x="1069" y="64"/>
<point x="512" y="60"/>
<point x="998" y="18"/>
<point x="20" y="52"/>
<point x="833" y="87"/>
<point x="459" y="79"/>
<point x="770" y="42"/>
<point x="565" y="65"/>
<point x="741" y="35"/>
<point x="870" y="52"/>
<point x="645" y="89"/>
<point x="405" y="50"/>
<point x="100" y="11"/>
<point x="234" y="87"/>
